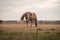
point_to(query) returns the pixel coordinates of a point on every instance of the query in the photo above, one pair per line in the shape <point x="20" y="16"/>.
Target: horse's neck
<point x="28" y="15"/>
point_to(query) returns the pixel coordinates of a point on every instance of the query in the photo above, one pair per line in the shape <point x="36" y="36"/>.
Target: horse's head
<point x="22" y="18"/>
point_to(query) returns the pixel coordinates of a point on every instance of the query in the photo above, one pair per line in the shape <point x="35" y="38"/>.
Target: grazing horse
<point x="30" y="17"/>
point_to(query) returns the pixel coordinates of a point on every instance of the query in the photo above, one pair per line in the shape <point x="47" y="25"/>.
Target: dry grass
<point x="19" y="27"/>
<point x="19" y="31"/>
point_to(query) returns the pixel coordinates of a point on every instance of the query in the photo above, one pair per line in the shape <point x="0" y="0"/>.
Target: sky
<point x="44" y="9"/>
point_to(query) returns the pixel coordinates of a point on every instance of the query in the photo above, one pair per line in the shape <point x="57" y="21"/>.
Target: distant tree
<point x="0" y="21"/>
<point x="58" y="22"/>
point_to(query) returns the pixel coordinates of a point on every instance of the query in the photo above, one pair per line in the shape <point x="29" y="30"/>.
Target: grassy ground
<point x="21" y="32"/>
<point x="42" y="35"/>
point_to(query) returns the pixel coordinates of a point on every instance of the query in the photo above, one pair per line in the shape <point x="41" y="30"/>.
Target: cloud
<point x="46" y="4"/>
<point x="13" y="9"/>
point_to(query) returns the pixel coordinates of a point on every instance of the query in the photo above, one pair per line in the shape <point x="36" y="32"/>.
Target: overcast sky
<point x="44" y="9"/>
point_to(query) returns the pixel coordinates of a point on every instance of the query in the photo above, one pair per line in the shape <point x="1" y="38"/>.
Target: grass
<point x="45" y="35"/>
<point x="19" y="32"/>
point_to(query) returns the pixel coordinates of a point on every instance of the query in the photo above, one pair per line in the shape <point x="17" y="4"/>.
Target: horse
<point x="29" y="17"/>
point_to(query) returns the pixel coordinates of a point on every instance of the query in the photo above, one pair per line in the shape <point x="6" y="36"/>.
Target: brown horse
<point x="30" y="17"/>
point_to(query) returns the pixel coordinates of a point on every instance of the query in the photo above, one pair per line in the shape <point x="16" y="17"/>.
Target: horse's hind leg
<point x="35" y="22"/>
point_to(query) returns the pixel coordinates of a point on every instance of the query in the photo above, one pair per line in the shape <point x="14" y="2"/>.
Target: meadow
<point x="19" y="31"/>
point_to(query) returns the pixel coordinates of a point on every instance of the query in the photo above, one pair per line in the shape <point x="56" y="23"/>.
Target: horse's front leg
<point x="31" y="23"/>
<point x="27" y="23"/>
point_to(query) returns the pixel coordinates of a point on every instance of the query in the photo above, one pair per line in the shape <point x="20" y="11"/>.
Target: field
<point x="19" y="31"/>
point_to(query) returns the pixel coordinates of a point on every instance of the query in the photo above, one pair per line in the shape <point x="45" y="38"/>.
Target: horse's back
<point x="33" y="16"/>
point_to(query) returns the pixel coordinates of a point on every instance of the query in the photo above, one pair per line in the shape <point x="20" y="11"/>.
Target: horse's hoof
<point x="35" y="26"/>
